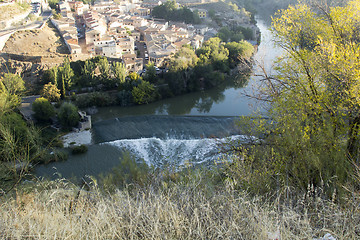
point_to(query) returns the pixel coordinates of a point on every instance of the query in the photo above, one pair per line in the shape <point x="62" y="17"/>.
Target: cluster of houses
<point x="115" y="30"/>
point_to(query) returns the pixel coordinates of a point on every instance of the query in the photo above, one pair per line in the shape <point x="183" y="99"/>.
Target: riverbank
<point x="77" y="138"/>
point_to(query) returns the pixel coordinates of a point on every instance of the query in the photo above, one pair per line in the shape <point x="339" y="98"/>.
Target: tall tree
<point x="315" y="104"/>
<point x="66" y="74"/>
<point x="119" y="72"/>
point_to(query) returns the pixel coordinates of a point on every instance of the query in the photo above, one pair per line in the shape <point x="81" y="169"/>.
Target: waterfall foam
<point x="175" y="152"/>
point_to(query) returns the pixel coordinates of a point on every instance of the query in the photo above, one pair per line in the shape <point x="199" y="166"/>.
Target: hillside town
<point x="127" y="30"/>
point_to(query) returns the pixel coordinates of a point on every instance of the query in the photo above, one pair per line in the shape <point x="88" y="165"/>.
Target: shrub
<point x="43" y="109"/>
<point x="79" y="149"/>
<point x="98" y="99"/>
<point x="51" y="92"/>
<point x="68" y="115"/>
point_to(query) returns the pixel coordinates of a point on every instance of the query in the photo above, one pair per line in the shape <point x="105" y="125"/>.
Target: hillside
<point x="45" y="42"/>
<point x="9" y="11"/>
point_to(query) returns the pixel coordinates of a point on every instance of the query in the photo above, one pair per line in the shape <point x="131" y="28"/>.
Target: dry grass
<point x="56" y="210"/>
<point x="9" y="11"/>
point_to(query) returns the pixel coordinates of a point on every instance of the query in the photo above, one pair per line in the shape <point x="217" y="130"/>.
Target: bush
<point x="51" y="92"/>
<point x="55" y="156"/>
<point x="98" y="99"/>
<point x="79" y="149"/>
<point x="144" y="93"/>
<point x="68" y="115"/>
<point x="43" y="109"/>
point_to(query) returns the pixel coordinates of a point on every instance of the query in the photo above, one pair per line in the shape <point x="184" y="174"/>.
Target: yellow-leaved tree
<point x="314" y="133"/>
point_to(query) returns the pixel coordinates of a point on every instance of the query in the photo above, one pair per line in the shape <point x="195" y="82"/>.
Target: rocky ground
<point x="45" y="42"/>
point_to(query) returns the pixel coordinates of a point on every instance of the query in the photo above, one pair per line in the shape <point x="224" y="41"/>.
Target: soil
<point x="45" y="42"/>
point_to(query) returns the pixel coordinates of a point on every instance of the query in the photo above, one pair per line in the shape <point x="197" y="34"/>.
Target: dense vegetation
<point x="110" y="84"/>
<point x="170" y="11"/>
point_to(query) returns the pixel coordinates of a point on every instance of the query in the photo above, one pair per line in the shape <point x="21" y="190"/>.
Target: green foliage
<point x="144" y="93"/>
<point x="104" y="69"/>
<point x="313" y="135"/>
<point x="50" y="75"/>
<point x="98" y="99"/>
<point x="43" y="110"/>
<point x="239" y="51"/>
<point x="170" y="11"/>
<point x="79" y="149"/>
<point x="51" y="92"/>
<point x="53" y="156"/>
<point x="88" y="73"/>
<point x="53" y="3"/>
<point x="150" y="74"/>
<point x="214" y="52"/>
<point x="68" y="115"/>
<point x="183" y="59"/>
<point x="65" y="75"/>
<point x="11" y="85"/>
<point x="235" y="34"/>
<point x="119" y="72"/>
<point x="18" y="142"/>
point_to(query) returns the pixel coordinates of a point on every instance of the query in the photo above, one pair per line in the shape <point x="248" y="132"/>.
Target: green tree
<point x="144" y="93"/>
<point x="65" y="73"/>
<point x="183" y="59"/>
<point x="239" y="51"/>
<point x="150" y="74"/>
<point x="119" y="72"/>
<point x="50" y="75"/>
<point x="105" y="71"/>
<point x="68" y="115"/>
<point x="51" y="92"/>
<point x="88" y="73"/>
<point x="43" y="110"/>
<point x="11" y="86"/>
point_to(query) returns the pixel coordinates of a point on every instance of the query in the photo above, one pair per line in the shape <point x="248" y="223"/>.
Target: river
<point x="183" y="129"/>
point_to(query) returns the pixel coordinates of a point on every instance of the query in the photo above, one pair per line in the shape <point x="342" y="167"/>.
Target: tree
<point x="134" y="77"/>
<point x="43" y="110"/>
<point x="214" y="52"/>
<point x="119" y="72"/>
<point x="51" y="92"/>
<point x="315" y="104"/>
<point x="144" y="93"/>
<point x="183" y="59"/>
<point x="88" y="73"/>
<point x="11" y="86"/>
<point x="50" y="75"/>
<point x="104" y="69"/>
<point x="65" y="74"/>
<point x="68" y="115"/>
<point x="150" y="74"/>
<point x="239" y="51"/>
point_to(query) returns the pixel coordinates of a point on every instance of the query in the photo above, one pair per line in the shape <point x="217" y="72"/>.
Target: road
<point x="45" y="16"/>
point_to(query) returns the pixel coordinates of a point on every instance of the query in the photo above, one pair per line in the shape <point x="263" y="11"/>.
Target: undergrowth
<point x="192" y="204"/>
